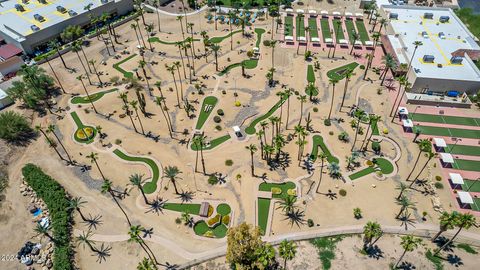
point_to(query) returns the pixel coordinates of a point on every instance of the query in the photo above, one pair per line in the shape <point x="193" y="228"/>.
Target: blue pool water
<point x="38" y="212"/>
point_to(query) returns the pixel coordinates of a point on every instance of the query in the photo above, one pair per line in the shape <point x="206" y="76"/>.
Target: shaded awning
<point x="328" y="40"/>
<point x="439" y="142"/>
<point x="407" y="123"/>
<point x="456" y="178"/>
<point x="446" y="158"/>
<point x="402" y="110"/>
<point x="300" y="11"/>
<point x="289" y="38"/>
<point x="315" y="39"/>
<point x="465" y="197"/>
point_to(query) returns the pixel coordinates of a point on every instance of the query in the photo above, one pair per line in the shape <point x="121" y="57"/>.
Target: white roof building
<point x="440" y="64"/>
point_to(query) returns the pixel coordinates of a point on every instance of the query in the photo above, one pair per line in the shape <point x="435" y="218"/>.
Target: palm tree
<point x="272" y="44"/>
<point x="348" y="75"/>
<point x="447" y="221"/>
<point x="126" y="107"/>
<point x="402" y="187"/>
<point x="463" y="221"/>
<point x="424" y="146"/>
<point x="49" y="141"/>
<point x="134" y="233"/>
<point x="339" y="25"/>
<point x="53" y="44"/>
<point x="359" y="113"/>
<point x="372" y="118"/>
<point x="134" y="105"/>
<point x="409" y="243"/>
<point x="171" y="173"/>
<point x="333" y="82"/>
<point x="107" y="188"/>
<point x="334" y="170"/>
<point x="252" y="148"/>
<point x="146" y="263"/>
<point x="371" y="230"/>
<point x="171" y="69"/>
<point x="402" y="80"/>
<point x="177" y="65"/>
<point x="53" y="71"/>
<point x="149" y="29"/>
<point x="85" y="240"/>
<point x="287" y="250"/>
<point x="383" y="22"/>
<point x="140" y="32"/>
<point x="75" y="204"/>
<point x="93" y="159"/>
<point x="287" y="94"/>
<point x="215" y="48"/>
<point x="405" y="204"/>
<point x="231" y="16"/>
<point x="41" y="230"/>
<point x="160" y="101"/>
<point x="76" y="48"/>
<point x="322" y="156"/>
<point x="92" y="63"/>
<point x="202" y="142"/>
<point x="356" y="37"/>
<point x="134" y="27"/>
<point x="300" y="132"/>
<point x="302" y="99"/>
<point x="142" y="64"/>
<point x="406" y="87"/>
<point x="157" y="5"/>
<point x="390" y="64"/>
<point x="179" y="19"/>
<point x="430" y="155"/>
<point x="287" y="204"/>
<point x="88" y="95"/>
<point x="137" y="181"/>
<point x="416" y="44"/>
<point x="51" y="129"/>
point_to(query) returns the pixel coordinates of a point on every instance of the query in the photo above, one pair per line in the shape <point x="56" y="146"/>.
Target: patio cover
<point x="301" y="38"/>
<point x="402" y="110"/>
<point x="368" y="43"/>
<point x="359" y="15"/>
<point x="311" y="11"/>
<point x="446" y="157"/>
<point x="324" y="12"/>
<point x="315" y="39"/>
<point x="348" y="14"/>
<point x="328" y="40"/>
<point x="300" y="11"/>
<point x="358" y="43"/>
<point x="456" y="178"/>
<point x="465" y="197"/>
<point x="343" y="41"/>
<point x="289" y="10"/>
<point x="407" y="123"/>
<point x="439" y="142"/>
<point x="336" y="13"/>
<point x="289" y="38"/>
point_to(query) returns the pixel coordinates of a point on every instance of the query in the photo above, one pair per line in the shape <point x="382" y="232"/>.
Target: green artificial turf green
<point x="338" y="30"/>
<point x="200" y="228"/>
<point x="259" y="32"/>
<point x="447" y="132"/>
<point x="471" y="185"/>
<point x="126" y="74"/>
<point x="445" y="119"/>
<point x="250" y="130"/>
<point x="288" y="26"/>
<point x="318" y="142"/>
<point x="313" y="28"/>
<point x="382" y="164"/>
<point x="310" y="74"/>
<point x="224" y="209"/>
<point x="213" y="143"/>
<point x="263" y="209"/>
<point x="467" y="165"/>
<point x="217" y="40"/>
<point x="80" y="125"/>
<point x="191" y="208"/>
<point x="339" y="72"/>
<point x="374" y="128"/>
<point x="362" y="31"/>
<point x="93" y="97"/>
<point x="248" y="64"/>
<point x="220" y="230"/>
<point x="148" y="187"/>
<point x="468" y="150"/>
<point x="326" y="249"/>
<point x="437" y="261"/>
<point x="350" y="30"/>
<point x="325" y="25"/>
<point x="300" y="22"/>
<point x="283" y="186"/>
<point x="476" y="204"/>
<point x="157" y="40"/>
<point x="203" y="115"/>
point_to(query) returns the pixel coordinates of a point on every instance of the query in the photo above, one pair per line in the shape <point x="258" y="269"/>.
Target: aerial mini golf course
<point x="208" y="105"/>
<point x="217" y="226"/>
<point x="148" y="187"/>
<point x="93" y="97"/>
<point x="213" y="143"/>
<point x="445" y="119"/>
<point x="83" y="134"/>
<point x="278" y="190"/>
<point x="310" y="74"/>
<point x="325" y="25"/>
<point x="318" y="142"/>
<point x="126" y="74"/>
<point x="380" y="164"/>
<point x="339" y="73"/>
<point x="466" y="165"/>
<point x="288" y="26"/>
<point x="250" y="130"/>
<point x="447" y="132"/>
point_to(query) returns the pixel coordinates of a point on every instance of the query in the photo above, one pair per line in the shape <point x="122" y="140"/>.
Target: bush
<point x="376" y="147"/>
<point x="362" y="67"/>
<point x="226" y="220"/>
<point x="439" y="185"/>
<point x="213" y="180"/>
<point x="238" y="104"/>
<point x="217" y="119"/>
<point x="220" y="112"/>
<point x="310" y="222"/>
<point x="343" y="136"/>
<point x="14" y="128"/>
<point x="178" y="220"/>
<point x="229" y="162"/>
<point x="276" y="190"/>
<point x="53" y="194"/>
<point x="330" y="133"/>
<point x="357" y="213"/>
<point x="266" y="43"/>
<point x="438" y="178"/>
<point x="118" y="141"/>
<point x="315" y="109"/>
<point x="214" y="220"/>
<point x="218" y="127"/>
<point x="342" y="192"/>
<point x="224" y="92"/>
<point x="327" y="122"/>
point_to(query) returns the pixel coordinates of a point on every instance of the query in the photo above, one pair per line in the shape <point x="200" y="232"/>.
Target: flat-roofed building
<point x="444" y="60"/>
<point x="37" y="22"/>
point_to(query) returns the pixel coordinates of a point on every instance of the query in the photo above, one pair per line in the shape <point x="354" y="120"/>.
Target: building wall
<point x="10" y="65"/>
<point x="440" y="85"/>
<point x="44" y="35"/>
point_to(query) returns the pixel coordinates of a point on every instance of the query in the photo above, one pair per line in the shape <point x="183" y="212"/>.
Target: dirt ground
<point x="177" y="243"/>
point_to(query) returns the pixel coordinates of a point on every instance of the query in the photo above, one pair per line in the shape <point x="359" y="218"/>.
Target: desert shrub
<point x="178" y="220"/>
<point x="53" y="194"/>
<point x="213" y="180"/>
<point x="310" y="222"/>
<point x="370" y="163"/>
<point x="238" y="104"/>
<point x="118" y="141"/>
<point x="214" y="220"/>
<point x="228" y="162"/>
<point x="330" y="133"/>
<point x="343" y="136"/>
<point x="439" y="185"/>
<point x="307" y="55"/>
<point x="438" y="178"/>
<point x="376" y="147"/>
<point x="342" y="192"/>
<point x="362" y="67"/>
<point x="14" y="127"/>
<point x="315" y="109"/>
<point x="220" y="112"/>
<point x="276" y="190"/>
<point x="266" y="43"/>
<point x="218" y="127"/>
<point x="217" y="119"/>
<point x="327" y="122"/>
<point x="379" y="91"/>
<point x="357" y="213"/>
<point x="224" y="92"/>
<point x="226" y="220"/>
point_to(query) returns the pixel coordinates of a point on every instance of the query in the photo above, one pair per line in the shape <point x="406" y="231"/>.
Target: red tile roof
<point x="473" y="54"/>
<point x="8" y="50"/>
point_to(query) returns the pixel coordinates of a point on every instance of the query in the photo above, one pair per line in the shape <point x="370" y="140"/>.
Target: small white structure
<point x="324" y="13"/>
<point x="300" y="11"/>
<point x="465" y="197"/>
<point x="407" y="124"/>
<point x="315" y="40"/>
<point x="4" y="99"/>
<point x="403" y="112"/>
<point x="288" y="38"/>
<point x="312" y="12"/>
<point x="348" y="14"/>
<point x="302" y="39"/>
<point x="369" y="43"/>
<point x="358" y="43"/>
<point x="343" y="41"/>
<point x="359" y="15"/>
<point x="238" y="131"/>
<point x="456" y="179"/>
<point x="289" y="10"/>
<point x="439" y="143"/>
<point x="336" y="14"/>
<point x="329" y="40"/>
<point x="446" y="158"/>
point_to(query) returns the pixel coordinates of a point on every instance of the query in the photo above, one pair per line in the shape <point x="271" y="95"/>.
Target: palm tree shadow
<point x="102" y="253"/>
<point x="282" y="162"/>
<point x="406" y="220"/>
<point x="406" y="266"/>
<point x="374" y="252"/>
<point x="93" y="221"/>
<point x="454" y="260"/>
<point x="442" y="240"/>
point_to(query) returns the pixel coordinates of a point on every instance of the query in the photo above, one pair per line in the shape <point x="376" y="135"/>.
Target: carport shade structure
<point x="439" y="143"/>
<point x="456" y="179"/>
<point x="446" y="158"/>
<point x="465" y="197"/>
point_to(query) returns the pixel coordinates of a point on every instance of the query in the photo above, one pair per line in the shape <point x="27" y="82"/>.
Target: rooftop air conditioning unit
<point x="428" y="15"/>
<point x="393" y="16"/>
<point x="38" y="17"/>
<point x="72" y="13"/>
<point x="444" y="19"/>
<point x="104" y="1"/>
<point x="61" y="9"/>
<point x="456" y="60"/>
<point x="424" y="34"/>
<point x="19" y="8"/>
<point x="34" y="28"/>
<point x="42" y="2"/>
<point x="428" y="58"/>
<point x="25" y="1"/>
<point x="441" y="35"/>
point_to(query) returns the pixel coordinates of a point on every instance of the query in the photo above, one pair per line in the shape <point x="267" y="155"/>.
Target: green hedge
<point x="53" y="194"/>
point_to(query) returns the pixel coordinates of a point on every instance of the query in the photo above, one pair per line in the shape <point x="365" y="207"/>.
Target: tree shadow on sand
<point x="442" y="240"/>
<point x="374" y="252"/>
<point x="406" y="266"/>
<point x="282" y="162"/>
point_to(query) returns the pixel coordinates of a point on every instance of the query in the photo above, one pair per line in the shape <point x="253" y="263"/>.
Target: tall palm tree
<point x="107" y="188"/>
<point x="179" y="19"/>
<point x="409" y="243"/>
<point x="406" y="88"/>
<point x="92" y="62"/>
<point x="134" y="233"/>
<point x="172" y="69"/>
<point x="43" y="230"/>
<point x="333" y="82"/>
<point x="405" y="204"/>
<point x="134" y="105"/>
<point x="447" y="221"/>
<point x="76" y="48"/>
<point x="416" y="44"/>
<point x="160" y="101"/>
<point x="146" y="263"/>
<point x="202" y="142"/>
<point x="390" y="64"/>
<point x="94" y="159"/>
<point x="49" y="141"/>
<point x="51" y="129"/>
<point x="55" y="73"/>
<point x="171" y="173"/>
<point x="126" y="107"/>
<point x="300" y="132"/>
<point x="372" y="118"/>
<point x="157" y="5"/>
<point x="430" y="155"/>
<point x="149" y="29"/>
<point x="142" y="64"/>
<point x="140" y="32"/>
<point x="401" y="82"/>
<point x="177" y="65"/>
<point x="463" y="221"/>
<point x="216" y="49"/>
<point x="272" y="44"/>
<point x="302" y="99"/>
<point x="287" y="204"/>
<point x="338" y="25"/>
<point x="180" y="46"/>
<point x="137" y="181"/>
<point x="86" y="92"/>
<point x="383" y="22"/>
<point x="348" y="76"/>
<point x="53" y="44"/>
<point x="287" y="94"/>
<point x="75" y="204"/>
<point x="424" y="146"/>
<point x="287" y="250"/>
<point x="85" y="239"/>
<point x="356" y="37"/>
<point x="371" y="230"/>
<point x="359" y="113"/>
<point x="134" y="27"/>
<point x="402" y="187"/>
<point x="252" y="148"/>
<point x="322" y="156"/>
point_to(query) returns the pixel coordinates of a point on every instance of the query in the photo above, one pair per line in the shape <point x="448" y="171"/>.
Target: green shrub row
<point x="53" y="194"/>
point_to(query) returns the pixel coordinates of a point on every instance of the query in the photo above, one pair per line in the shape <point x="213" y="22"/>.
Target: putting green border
<point x="126" y="74"/>
<point x="203" y="116"/>
<point x="80" y="125"/>
<point x="213" y="143"/>
<point x="382" y="164"/>
<point x="250" y="130"/>
<point x="93" y="97"/>
<point x="332" y="74"/>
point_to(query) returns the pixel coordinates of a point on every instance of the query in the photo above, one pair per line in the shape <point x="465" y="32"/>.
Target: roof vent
<point x="428" y="58"/>
<point x="444" y="19"/>
<point x="42" y="2"/>
<point x="19" y="8"/>
<point x="441" y="35"/>
<point x="34" y="28"/>
<point x="393" y="16"/>
<point x="38" y="17"/>
<point x="72" y="13"/>
<point x="456" y="60"/>
<point x="61" y="9"/>
<point x="104" y="1"/>
<point x="424" y="34"/>
<point x="428" y="15"/>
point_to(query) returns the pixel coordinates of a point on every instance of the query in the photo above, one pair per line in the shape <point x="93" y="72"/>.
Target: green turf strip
<point x="474" y="185"/>
<point x="318" y="142"/>
<point x="445" y="119"/>
<point x="248" y="64"/>
<point x="126" y="74"/>
<point x="310" y="74"/>
<point x="191" y="208"/>
<point x="476" y="204"/>
<point x="288" y="26"/>
<point x="447" y="132"/>
<point x="325" y="28"/>
<point x="339" y="73"/>
<point x="385" y="166"/>
<point x="223" y="209"/>
<point x="210" y="102"/>
<point x="300" y="22"/>
<point x="350" y="30"/>
<point x="313" y="28"/>
<point x="468" y="150"/>
<point x="216" y="40"/>
<point x="338" y="30"/>
<point x="362" y="31"/>
<point x="80" y="126"/>
<point x="213" y="143"/>
<point x="467" y="165"/>
<point x="250" y="130"/>
<point x="374" y="127"/>
<point x="283" y="186"/>
<point x="148" y="187"/>
<point x="259" y="32"/>
<point x="263" y="209"/>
